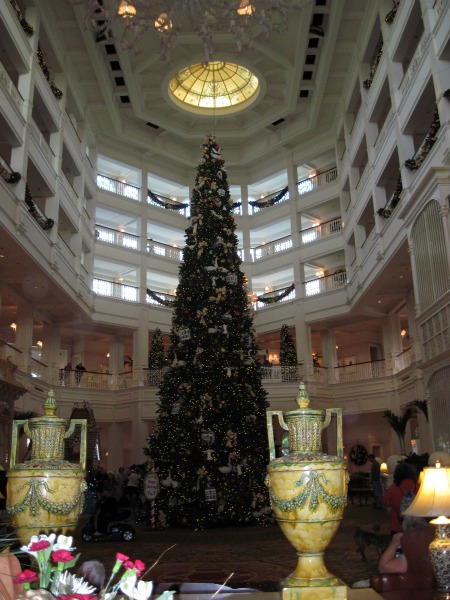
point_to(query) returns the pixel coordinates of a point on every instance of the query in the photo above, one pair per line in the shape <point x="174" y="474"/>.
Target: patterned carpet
<point x="256" y="557"/>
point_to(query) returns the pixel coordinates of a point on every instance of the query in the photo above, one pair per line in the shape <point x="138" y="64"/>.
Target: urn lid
<point x="303" y="409"/>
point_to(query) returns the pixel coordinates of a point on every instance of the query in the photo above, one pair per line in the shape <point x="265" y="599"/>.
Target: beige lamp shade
<point x="433" y="497"/>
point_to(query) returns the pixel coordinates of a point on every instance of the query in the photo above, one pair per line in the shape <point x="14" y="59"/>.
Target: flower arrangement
<point x="54" y="557"/>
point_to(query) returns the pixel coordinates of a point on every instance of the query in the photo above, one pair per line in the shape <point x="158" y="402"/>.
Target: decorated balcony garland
<point x="41" y="59"/>
<point x="414" y="163"/>
<point x="277" y="298"/>
<point x="389" y="18"/>
<point x="43" y="222"/>
<point x="375" y="62"/>
<point x="28" y="29"/>
<point x="157" y="298"/>
<point x="271" y="201"/>
<point x="165" y="203"/>
<point x="388" y="208"/>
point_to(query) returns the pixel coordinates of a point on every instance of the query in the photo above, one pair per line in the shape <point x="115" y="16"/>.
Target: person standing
<point x="405" y="480"/>
<point x="79" y="370"/>
<point x="375" y="480"/>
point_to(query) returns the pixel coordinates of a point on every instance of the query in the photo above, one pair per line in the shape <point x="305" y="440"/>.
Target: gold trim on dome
<point x="216" y="85"/>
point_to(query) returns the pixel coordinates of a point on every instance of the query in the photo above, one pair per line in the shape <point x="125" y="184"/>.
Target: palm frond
<point x="421" y="405"/>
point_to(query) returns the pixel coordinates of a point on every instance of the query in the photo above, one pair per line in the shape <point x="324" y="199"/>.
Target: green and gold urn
<point x="46" y="493"/>
<point x="308" y="494"/>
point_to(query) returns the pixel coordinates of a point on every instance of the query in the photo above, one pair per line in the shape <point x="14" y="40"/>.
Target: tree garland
<point x="358" y="455"/>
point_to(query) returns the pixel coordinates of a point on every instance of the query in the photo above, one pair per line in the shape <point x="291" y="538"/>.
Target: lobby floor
<point x="243" y="557"/>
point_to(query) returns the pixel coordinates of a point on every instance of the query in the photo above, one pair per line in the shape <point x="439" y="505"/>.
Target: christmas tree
<point x="288" y="353"/>
<point x="210" y="444"/>
<point x="156" y="357"/>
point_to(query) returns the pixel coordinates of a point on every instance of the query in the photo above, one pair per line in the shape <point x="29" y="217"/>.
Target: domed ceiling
<point x="301" y="74"/>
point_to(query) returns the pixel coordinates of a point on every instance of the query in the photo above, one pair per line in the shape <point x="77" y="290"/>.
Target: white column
<point x="328" y="341"/>
<point x="140" y="348"/>
<point x="51" y="346"/>
<point x="24" y="334"/>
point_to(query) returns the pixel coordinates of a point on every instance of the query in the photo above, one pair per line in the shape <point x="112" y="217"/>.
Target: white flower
<point x="63" y="543"/>
<point x="143" y="590"/>
<point x="70" y="584"/>
<point x="127" y="584"/>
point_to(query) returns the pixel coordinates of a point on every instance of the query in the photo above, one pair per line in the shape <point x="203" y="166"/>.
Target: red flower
<point x="40" y="545"/>
<point x="26" y="576"/>
<point x="140" y="566"/>
<point x="62" y="556"/>
<point x="122" y="557"/>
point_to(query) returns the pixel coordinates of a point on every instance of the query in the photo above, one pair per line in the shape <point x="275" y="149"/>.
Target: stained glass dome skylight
<point x="216" y="85"/>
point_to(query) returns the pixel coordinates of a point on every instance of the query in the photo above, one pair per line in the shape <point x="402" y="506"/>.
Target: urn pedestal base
<point x="334" y="592"/>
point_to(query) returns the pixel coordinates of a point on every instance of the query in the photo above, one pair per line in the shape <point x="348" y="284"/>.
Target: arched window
<point x="438" y="386"/>
<point x="432" y="270"/>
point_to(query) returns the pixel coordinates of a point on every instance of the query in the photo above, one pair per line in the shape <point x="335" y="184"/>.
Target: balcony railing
<point x="118" y="291"/>
<point x="360" y="371"/>
<point x="328" y="283"/>
<point x="11" y="89"/>
<point x="116" y="237"/>
<point x="282" y="373"/>
<point x="312" y="234"/>
<point x="164" y="250"/>
<point x="316" y="181"/>
<point x="265" y="250"/>
<point x="118" y="187"/>
<point x="93" y="380"/>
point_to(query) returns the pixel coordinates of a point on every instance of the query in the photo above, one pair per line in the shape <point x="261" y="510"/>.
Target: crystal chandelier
<point x="168" y="18"/>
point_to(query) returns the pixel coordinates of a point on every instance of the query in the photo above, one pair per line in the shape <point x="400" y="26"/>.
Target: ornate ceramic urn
<point x="308" y="494"/>
<point x="45" y="494"/>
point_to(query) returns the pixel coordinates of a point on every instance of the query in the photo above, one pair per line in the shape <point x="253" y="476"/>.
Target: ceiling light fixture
<point x="169" y="18"/>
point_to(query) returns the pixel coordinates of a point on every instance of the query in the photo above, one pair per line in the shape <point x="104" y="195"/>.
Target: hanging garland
<point x="375" y="62"/>
<point x="28" y="29"/>
<point x="165" y="204"/>
<point x="387" y="210"/>
<point x="41" y="60"/>
<point x="154" y="296"/>
<point x="43" y="222"/>
<point x="280" y="296"/>
<point x="358" y="455"/>
<point x="271" y="201"/>
<point x="389" y="18"/>
<point x="414" y="163"/>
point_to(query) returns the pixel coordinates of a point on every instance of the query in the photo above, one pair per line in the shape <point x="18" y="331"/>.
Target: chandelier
<point x="128" y="22"/>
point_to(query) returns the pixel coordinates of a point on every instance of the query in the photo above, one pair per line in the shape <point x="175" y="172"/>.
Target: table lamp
<point x="433" y="500"/>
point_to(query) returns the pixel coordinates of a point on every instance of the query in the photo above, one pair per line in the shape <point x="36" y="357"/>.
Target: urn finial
<point x="50" y="404"/>
<point x="302" y="396"/>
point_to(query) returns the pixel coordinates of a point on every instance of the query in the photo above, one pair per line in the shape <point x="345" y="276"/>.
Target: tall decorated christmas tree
<point x="210" y="445"/>
<point x="156" y="357"/>
<point x="288" y="353"/>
